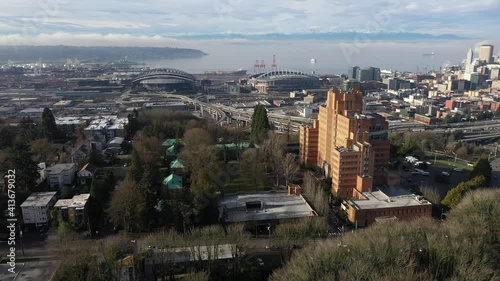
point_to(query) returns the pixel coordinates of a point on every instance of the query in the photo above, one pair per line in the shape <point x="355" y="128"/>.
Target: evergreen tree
<point x="482" y="167"/>
<point x="455" y="195"/>
<point x="133" y="125"/>
<point x="49" y="127"/>
<point x="260" y="124"/>
<point x="136" y="168"/>
<point x="21" y="159"/>
<point x="5" y="138"/>
<point x="28" y="130"/>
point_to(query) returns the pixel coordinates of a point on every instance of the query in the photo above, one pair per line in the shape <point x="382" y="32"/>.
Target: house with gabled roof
<point x="86" y="174"/>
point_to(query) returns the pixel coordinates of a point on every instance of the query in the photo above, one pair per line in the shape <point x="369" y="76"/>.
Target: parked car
<point x="416" y="172"/>
<point x="272" y="247"/>
<point x="444" y="173"/>
<point x="458" y="169"/>
<point x="259" y="261"/>
<point x="425" y="173"/>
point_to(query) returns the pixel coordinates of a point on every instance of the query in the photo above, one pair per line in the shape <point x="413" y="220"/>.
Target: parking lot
<point x="409" y="178"/>
<point x="29" y="271"/>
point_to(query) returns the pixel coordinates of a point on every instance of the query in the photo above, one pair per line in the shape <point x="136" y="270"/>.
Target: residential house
<point x="61" y="174"/>
<point x="116" y="143"/>
<point x="96" y="143"/>
<point x="176" y="167"/>
<point x="169" y="142"/>
<point x="86" y="174"/>
<point x="173" y="182"/>
<point x="126" y="267"/>
<point x="72" y="210"/>
<point x="36" y="208"/>
<point x="79" y="154"/>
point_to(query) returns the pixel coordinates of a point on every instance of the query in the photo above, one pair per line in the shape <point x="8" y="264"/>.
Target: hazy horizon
<point x="331" y="56"/>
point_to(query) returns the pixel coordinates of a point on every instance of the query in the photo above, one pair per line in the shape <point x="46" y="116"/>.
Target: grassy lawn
<point x="244" y="183"/>
<point x="124" y="156"/>
<point x="453" y="164"/>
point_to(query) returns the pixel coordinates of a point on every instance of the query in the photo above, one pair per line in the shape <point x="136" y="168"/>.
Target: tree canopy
<point x="260" y="124"/>
<point x="21" y="159"/>
<point x="49" y="127"/>
<point x="457" y="193"/>
<point x="127" y="206"/>
<point x="465" y="247"/>
<point x="482" y="167"/>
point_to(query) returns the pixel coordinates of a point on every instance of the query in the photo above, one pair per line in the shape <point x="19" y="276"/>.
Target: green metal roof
<point x="169" y="142"/>
<point x="162" y="205"/>
<point x="176" y="164"/>
<point x="173" y="182"/>
<point x="171" y="151"/>
<point x="233" y="146"/>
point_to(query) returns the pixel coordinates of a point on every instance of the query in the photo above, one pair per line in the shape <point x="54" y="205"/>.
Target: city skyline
<point x="167" y="22"/>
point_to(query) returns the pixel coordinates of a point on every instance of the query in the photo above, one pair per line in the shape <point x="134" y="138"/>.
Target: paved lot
<point x="434" y="169"/>
<point x="29" y="271"/>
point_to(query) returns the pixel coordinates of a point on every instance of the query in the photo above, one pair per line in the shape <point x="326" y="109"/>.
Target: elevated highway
<point x="227" y="114"/>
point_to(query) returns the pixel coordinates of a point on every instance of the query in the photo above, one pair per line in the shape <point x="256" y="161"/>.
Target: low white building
<point x="107" y="126"/>
<point x="36" y="208"/>
<point x="61" y="174"/>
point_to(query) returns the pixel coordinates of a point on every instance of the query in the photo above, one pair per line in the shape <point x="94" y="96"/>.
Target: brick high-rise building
<point x="351" y="147"/>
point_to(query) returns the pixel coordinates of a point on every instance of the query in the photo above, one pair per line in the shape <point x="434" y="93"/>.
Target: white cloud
<point x="244" y="16"/>
<point x="90" y="39"/>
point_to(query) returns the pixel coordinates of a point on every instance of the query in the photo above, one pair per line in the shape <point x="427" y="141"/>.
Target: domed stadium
<point x="166" y="79"/>
<point x="284" y="81"/>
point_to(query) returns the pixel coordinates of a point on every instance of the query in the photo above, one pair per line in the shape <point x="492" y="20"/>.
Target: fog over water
<point x="331" y="56"/>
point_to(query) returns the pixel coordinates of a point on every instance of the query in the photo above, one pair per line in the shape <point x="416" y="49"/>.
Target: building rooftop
<point x="169" y="142"/>
<point x="78" y="202"/>
<point x="176" y="164"/>
<point x="58" y="168"/>
<point x="173" y="182"/>
<point x="69" y="120"/>
<point x="88" y="167"/>
<point x="109" y="122"/>
<point x="195" y="253"/>
<point x="274" y="206"/>
<point x="38" y="199"/>
<point x="171" y="151"/>
<point x="233" y="146"/>
<point x="116" y="141"/>
<point x="388" y="198"/>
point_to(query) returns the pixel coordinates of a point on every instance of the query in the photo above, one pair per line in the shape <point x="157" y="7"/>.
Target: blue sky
<point x="160" y="21"/>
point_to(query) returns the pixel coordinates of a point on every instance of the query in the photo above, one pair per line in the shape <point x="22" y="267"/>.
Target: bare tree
<point x="251" y="162"/>
<point x="127" y="205"/>
<point x="289" y="167"/>
<point x="274" y="151"/>
<point x="431" y="193"/>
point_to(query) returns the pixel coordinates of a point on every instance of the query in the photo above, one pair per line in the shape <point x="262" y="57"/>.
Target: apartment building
<point x="72" y="210"/>
<point x="36" y="208"/>
<point x="350" y="147"/>
<point x="61" y="174"/>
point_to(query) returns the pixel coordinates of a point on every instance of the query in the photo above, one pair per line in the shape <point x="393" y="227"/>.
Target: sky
<point x="161" y="22"/>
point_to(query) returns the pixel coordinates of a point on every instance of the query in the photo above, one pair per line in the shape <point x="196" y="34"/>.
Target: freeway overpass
<point x="226" y="114"/>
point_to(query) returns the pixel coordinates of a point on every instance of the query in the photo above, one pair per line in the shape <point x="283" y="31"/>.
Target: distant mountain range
<point x="93" y="54"/>
<point x="323" y="36"/>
